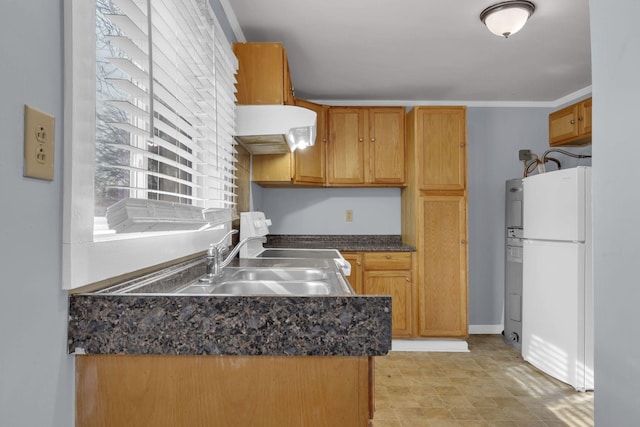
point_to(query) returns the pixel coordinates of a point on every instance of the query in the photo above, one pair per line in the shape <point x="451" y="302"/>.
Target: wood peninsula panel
<point x="222" y="391"/>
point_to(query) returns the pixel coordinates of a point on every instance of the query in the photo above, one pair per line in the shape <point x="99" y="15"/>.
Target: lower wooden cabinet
<point x="442" y="267"/>
<point x="223" y="391"/>
<point x="390" y="273"/>
<point x="355" y="279"/>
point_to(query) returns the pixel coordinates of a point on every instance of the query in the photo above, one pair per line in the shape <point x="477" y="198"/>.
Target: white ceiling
<point x="422" y="50"/>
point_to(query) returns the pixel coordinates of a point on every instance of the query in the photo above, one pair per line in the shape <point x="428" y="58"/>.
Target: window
<point x="149" y="124"/>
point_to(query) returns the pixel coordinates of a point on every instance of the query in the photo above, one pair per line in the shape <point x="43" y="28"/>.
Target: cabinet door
<point x="584" y="117"/>
<point x="442" y="269"/>
<point x="345" y="164"/>
<point x="287" y="86"/>
<point x="398" y="285"/>
<point x="441" y="135"/>
<point x="563" y="125"/>
<point x="355" y="279"/>
<point x="386" y="145"/>
<point x="272" y="169"/>
<point x="262" y="71"/>
<point x="571" y="125"/>
<point x="310" y="162"/>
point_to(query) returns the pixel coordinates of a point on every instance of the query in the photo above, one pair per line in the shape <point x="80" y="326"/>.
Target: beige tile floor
<point x="489" y="386"/>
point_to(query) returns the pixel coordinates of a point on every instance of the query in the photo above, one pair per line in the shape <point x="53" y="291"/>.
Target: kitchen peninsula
<point x="163" y="358"/>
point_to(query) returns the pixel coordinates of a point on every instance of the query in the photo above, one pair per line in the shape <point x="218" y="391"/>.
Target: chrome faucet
<point x="215" y="253"/>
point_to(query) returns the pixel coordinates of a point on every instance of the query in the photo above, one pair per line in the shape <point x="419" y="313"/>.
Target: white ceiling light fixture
<point x="507" y="18"/>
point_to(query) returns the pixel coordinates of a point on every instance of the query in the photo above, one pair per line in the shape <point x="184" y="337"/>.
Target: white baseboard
<point x="444" y="344"/>
<point x="430" y="344"/>
<point x="485" y="329"/>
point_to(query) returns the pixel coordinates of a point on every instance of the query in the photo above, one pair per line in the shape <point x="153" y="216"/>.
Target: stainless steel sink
<point x="261" y="276"/>
<point x="254" y="287"/>
<point x="276" y="274"/>
<point x="271" y="281"/>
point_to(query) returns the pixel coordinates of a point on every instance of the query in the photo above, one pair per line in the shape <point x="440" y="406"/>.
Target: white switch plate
<point x="39" y="131"/>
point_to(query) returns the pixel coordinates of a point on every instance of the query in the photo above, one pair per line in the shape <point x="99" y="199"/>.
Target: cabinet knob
<point x="358" y="263"/>
<point x="388" y="256"/>
<point x="407" y="279"/>
<point x="462" y="145"/>
<point x="373" y="140"/>
<point x="464" y="242"/>
<point x="360" y="139"/>
<point x="573" y="122"/>
<point x="580" y="118"/>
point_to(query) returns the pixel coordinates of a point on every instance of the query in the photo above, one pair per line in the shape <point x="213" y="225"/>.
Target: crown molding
<point x="496" y="104"/>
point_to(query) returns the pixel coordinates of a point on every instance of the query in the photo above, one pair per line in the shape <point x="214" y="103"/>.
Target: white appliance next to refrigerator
<point x="557" y="295"/>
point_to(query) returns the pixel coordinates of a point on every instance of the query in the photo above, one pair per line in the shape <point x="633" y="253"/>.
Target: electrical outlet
<point x="349" y="215"/>
<point x="39" y="131"/>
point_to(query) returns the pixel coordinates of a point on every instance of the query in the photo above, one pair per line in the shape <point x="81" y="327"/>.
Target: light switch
<point x="39" y="131"/>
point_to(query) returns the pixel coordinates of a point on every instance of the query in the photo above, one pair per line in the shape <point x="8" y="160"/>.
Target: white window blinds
<point x="165" y="114"/>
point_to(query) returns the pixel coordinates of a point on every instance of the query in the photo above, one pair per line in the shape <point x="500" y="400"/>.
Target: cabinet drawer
<point x="387" y="260"/>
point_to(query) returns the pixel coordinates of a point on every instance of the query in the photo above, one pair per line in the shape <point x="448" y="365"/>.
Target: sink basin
<point x="275" y="274"/>
<point x="255" y="287"/>
<point x="271" y="281"/>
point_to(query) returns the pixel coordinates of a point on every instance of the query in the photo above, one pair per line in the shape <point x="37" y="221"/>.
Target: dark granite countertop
<point x="341" y="242"/>
<point x="108" y="322"/>
<point x="238" y="325"/>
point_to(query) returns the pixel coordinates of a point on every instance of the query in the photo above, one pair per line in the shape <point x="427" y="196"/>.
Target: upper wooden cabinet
<point x="355" y="146"/>
<point x="442" y="153"/>
<point x="302" y="167"/>
<point x="345" y="150"/>
<point x="387" y="149"/>
<point x="366" y="146"/>
<point x="263" y="74"/>
<point x="571" y="125"/>
<point x="310" y="162"/>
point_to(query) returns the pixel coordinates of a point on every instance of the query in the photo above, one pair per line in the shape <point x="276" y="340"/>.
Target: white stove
<point x="254" y="224"/>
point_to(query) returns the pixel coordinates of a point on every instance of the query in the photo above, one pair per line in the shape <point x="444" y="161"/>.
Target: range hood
<point x="273" y="129"/>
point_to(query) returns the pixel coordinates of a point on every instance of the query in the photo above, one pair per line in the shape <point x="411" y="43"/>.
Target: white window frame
<point x="86" y="261"/>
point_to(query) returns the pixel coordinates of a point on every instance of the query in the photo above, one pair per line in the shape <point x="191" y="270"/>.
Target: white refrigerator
<point x="557" y="288"/>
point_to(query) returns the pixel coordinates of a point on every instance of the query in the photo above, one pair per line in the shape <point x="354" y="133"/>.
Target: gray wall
<point x="36" y="375"/>
<point x="494" y="137"/>
<point x="615" y="45"/>
<point x="322" y="210"/>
